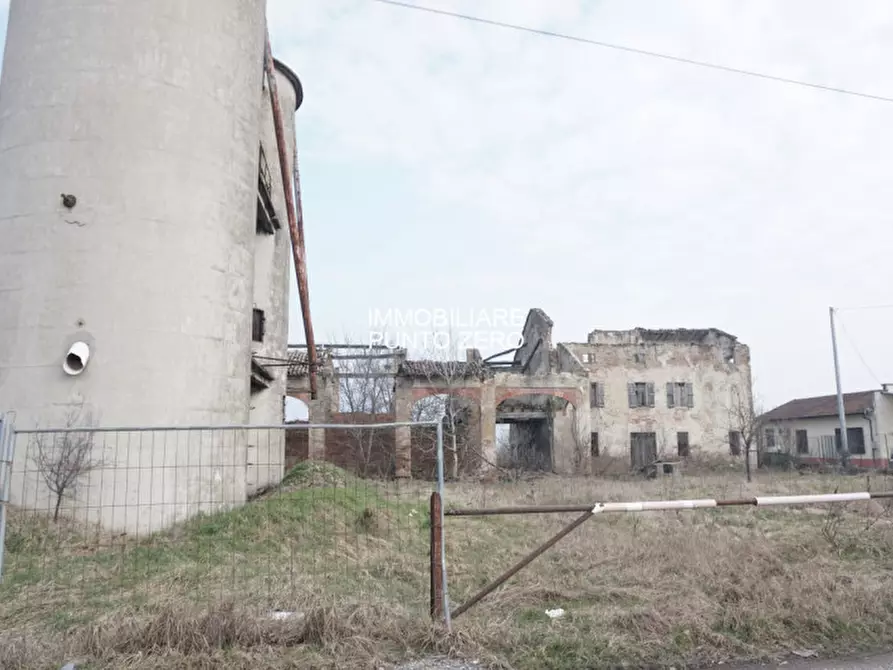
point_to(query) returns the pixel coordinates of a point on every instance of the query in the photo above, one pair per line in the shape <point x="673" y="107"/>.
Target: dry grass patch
<point x="351" y="557"/>
<point x="676" y="588"/>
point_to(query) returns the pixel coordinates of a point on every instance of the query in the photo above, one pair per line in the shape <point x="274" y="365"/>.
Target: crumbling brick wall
<point x="297" y="446"/>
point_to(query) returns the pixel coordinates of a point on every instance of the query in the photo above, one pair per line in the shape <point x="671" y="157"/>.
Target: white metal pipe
<point x="654" y="505"/>
<point x="702" y="503"/>
<point x="814" y="498"/>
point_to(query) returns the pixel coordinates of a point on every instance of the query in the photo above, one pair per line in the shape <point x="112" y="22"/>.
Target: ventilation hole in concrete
<point x="76" y="358"/>
<point x="74" y="363"/>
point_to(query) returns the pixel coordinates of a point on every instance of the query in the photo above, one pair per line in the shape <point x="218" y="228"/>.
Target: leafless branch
<point x="745" y="420"/>
<point x="64" y="458"/>
<point x="368" y="390"/>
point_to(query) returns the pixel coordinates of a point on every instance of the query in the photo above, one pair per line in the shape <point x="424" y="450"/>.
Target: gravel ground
<point x="884" y="662"/>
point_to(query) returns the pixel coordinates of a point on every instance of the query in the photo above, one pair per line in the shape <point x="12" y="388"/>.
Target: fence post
<point x="447" y="616"/>
<point x="436" y="557"/>
<point x="7" y="436"/>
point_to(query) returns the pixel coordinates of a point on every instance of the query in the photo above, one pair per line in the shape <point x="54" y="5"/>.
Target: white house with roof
<point x="809" y="428"/>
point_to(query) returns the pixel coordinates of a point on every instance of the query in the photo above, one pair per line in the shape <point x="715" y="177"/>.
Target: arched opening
<point x="461" y="453"/>
<point x="528" y="429"/>
<point x="296" y="410"/>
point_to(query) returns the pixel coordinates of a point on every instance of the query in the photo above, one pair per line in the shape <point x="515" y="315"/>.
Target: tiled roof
<point x="441" y="369"/>
<point x="297" y="361"/>
<point x="826" y="405"/>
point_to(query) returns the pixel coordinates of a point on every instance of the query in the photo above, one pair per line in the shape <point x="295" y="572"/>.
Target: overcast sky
<point x="447" y="164"/>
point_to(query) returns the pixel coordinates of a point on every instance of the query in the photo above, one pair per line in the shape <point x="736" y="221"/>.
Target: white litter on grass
<point x="282" y="615"/>
<point x="557" y="613"/>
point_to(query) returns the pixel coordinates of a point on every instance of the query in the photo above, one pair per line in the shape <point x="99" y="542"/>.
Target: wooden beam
<point x="511" y="417"/>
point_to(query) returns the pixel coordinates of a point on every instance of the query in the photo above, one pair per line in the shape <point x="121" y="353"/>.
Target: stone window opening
<point x="680" y="394"/>
<point x="641" y="394"/>
<point x="597" y="394"/>
<point x="258" y="325"/>
<point x="683" y="448"/>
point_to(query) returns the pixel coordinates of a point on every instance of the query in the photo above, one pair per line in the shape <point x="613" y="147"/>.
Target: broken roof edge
<point x="435" y="369"/>
<point x="650" y="335"/>
<point x="539" y="312"/>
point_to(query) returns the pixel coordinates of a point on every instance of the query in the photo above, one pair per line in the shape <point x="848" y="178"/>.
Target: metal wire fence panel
<point x="108" y="518"/>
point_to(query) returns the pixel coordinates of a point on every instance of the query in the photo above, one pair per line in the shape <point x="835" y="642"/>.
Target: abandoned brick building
<point x="638" y="394"/>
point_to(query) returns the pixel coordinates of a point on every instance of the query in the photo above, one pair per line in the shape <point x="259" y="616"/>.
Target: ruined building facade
<point x="665" y="393"/>
<point x="639" y="394"/>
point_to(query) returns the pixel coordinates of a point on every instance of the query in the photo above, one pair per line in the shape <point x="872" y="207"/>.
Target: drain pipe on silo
<point x="295" y="215"/>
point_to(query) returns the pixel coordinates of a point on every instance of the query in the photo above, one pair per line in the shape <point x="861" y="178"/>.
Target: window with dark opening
<point x="802" y="442"/>
<point x="682" y="445"/>
<point x="593" y="445"/>
<point x="267" y="222"/>
<point x="258" y="325"/>
<point x="855" y="438"/>
<point x="769" y="435"/>
<point x="735" y="442"/>
<point x="597" y="394"/>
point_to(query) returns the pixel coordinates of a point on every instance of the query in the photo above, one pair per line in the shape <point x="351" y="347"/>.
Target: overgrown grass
<point x="350" y="559"/>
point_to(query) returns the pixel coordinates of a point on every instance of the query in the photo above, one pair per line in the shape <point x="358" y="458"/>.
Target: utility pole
<point x="841" y="413"/>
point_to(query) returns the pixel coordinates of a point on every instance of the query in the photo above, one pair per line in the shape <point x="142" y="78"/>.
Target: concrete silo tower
<point x="129" y="163"/>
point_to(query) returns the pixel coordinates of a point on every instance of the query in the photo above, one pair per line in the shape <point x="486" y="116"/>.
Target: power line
<point x="864" y="307"/>
<point x="858" y="353"/>
<point x="640" y="52"/>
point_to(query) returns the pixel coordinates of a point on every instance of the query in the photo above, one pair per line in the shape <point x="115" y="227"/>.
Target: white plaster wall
<point x="148" y="113"/>
<point x="815" y="429"/>
<point x="713" y="380"/>
<point x="884" y="423"/>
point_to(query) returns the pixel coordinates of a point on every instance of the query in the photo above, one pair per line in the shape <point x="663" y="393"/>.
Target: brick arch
<point x="571" y="395"/>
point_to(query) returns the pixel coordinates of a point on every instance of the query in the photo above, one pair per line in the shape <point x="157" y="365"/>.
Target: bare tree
<point x="64" y="458"/>
<point x="445" y="371"/>
<point x="366" y="387"/>
<point x="746" y="420"/>
<point x="447" y="406"/>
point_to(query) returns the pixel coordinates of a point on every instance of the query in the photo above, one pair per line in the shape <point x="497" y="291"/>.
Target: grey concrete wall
<point x="537" y="327"/>
<point x="148" y="113"/>
<point x="272" y="254"/>
<point x="617" y="358"/>
<point x="568" y="361"/>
